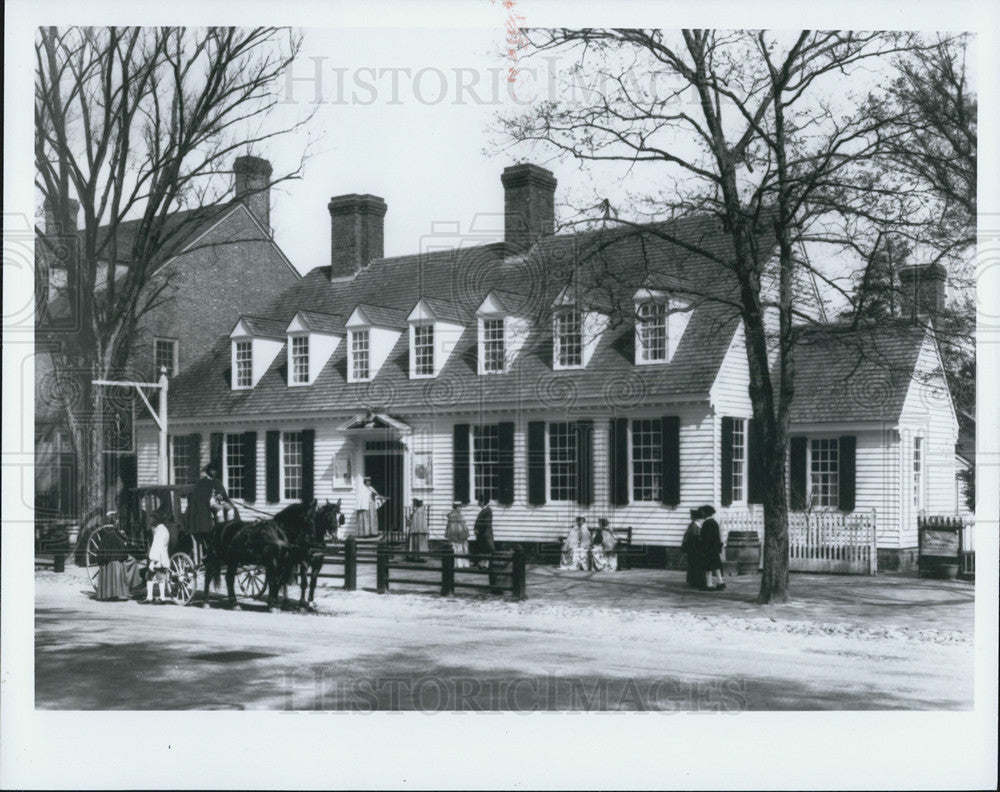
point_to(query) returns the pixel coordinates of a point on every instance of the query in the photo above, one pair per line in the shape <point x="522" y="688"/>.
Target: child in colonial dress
<point x="158" y="571"/>
<point x="457" y="532"/>
<point x="602" y="555"/>
<point x="576" y="548"/>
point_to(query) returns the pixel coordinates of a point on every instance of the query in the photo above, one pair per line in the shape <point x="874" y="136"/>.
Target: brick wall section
<point x="233" y="270"/>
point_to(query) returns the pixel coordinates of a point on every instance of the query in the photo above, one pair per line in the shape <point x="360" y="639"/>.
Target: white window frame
<point x="417" y="328"/>
<point x="558" y="342"/>
<point x="174" y="356"/>
<point x="355" y="336"/>
<point x="185" y="440"/>
<point x="738" y="468"/>
<point x="918" y="466"/>
<point x="486" y="338"/>
<point x="293" y="359"/>
<point x="287" y="437"/>
<point x="571" y="462"/>
<point x="494" y="490"/>
<point x="632" y="476"/>
<point x="644" y="325"/>
<point x="242" y="344"/>
<point x="234" y="492"/>
<point x="816" y="498"/>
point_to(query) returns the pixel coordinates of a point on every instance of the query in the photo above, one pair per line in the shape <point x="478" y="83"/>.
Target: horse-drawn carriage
<point x="131" y="532"/>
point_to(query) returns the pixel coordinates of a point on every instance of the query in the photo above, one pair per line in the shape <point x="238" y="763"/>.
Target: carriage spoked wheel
<point x="94" y="544"/>
<point x="251" y="581"/>
<point x="184" y="576"/>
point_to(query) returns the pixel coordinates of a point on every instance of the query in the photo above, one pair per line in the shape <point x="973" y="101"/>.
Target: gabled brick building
<point x="598" y="373"/>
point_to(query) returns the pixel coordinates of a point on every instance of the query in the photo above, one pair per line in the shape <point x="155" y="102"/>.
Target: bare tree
<point x="765" y="132"/>
<point x="135" y="124"/>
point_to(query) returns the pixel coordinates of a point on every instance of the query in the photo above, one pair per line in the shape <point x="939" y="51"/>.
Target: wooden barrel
<point x="743" y="551"/>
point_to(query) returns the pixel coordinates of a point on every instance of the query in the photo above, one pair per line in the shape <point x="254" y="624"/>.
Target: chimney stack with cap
<point x="357" y="232"/>
<point x="529" y="204"/>
<point x="922" y="289"/>
<point x="252" y="185"/>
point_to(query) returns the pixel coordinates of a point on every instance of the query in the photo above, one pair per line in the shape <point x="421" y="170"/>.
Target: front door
<point x="386" y="471"/>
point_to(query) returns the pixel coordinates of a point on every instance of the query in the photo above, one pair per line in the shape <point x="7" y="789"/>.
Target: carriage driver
<point x="202" y="512"/>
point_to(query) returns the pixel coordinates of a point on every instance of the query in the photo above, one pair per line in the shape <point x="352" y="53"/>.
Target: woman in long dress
<point x="112" y="582"/>
<point x="691" y="546"/>
<point x="417" y="547"/>
<point x="576" y="548"/>
<point x="457" y="532"/>
<point x="603" y="557"/>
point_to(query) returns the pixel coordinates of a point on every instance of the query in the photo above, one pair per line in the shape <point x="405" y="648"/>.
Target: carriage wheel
<point x="184" y="577"/>
<point x="93" y="552"/>
<point x="252" y="581"/>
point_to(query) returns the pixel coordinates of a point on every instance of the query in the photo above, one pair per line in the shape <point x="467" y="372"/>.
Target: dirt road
<point x="411" y="651"/>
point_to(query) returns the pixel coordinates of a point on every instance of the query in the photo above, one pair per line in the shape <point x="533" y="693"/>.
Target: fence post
<point x="519" y="574"/>
<point x="351" y="564"/>
<point x="873" y="552"/>
<point x="382" y="568"/>
<point x="448" y="571"/>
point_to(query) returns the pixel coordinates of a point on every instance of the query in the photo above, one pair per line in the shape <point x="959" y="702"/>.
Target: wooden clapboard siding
<point x="730" y="394"/>
<point x="876" y="478"/>
<point x="147" y="438"/>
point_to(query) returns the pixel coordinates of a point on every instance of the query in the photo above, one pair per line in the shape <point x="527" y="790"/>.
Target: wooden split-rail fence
<point x="503" y="571"/>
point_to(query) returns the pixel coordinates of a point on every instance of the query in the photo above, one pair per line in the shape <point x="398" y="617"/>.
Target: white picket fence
<point x="820" y="541"/>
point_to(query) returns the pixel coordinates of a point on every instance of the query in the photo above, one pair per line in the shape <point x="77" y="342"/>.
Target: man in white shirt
<point x="368" y="503"/>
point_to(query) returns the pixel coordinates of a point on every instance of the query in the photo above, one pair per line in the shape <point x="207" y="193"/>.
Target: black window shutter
<point x="585" y="462"/>
<point x="847" y="474"/>
<point x="194" y="456"/>
<point x="727" y="461"/>
<point x="505" y="472"/>
<point x="460" y="457"/>
<point x="215" y="449"/>
<point x="755" y="463"/>
<point x="618" y="461"/>
<point x="308" y="464"/>
<point x="670" y="437"/>
<point x="249" y="466"/>
<point x="797" y="473"/>
<point x="536" y="463"/>
<point x="272" y="480"/>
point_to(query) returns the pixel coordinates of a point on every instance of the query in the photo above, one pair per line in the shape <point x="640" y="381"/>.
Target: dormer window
<point x="494" y="352"/>
<point x="299" y="350"/>
<point x="568" y="335"/>
<point x="243" y="356"/>
<point x="360" y="355"/>
<point x="651" y="332"/>
<point x="423" y="350"/>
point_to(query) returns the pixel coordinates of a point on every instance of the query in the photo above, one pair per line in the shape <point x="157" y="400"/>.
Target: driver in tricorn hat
<point x="201" y="512"/>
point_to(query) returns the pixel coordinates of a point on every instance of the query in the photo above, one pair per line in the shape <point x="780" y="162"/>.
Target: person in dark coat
<point x="711" y="549"/>
<point x="484" y="532"/>
<point x="201" y="514"/>
<point x="691" y="546"/>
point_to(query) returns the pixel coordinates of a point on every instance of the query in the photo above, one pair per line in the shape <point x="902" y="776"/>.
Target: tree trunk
<point x="774" y="576"/>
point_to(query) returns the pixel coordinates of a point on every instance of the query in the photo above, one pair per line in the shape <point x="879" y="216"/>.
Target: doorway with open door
<point x="383" y="463"/>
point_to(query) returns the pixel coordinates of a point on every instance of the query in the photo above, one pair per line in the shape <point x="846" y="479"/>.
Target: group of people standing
<point x="703" y="545"/>
<point x="457" y="532"/>
<point x="583" y="551"/>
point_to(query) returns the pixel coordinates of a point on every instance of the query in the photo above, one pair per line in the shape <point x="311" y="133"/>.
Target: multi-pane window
<point x="244" y="364"/>
<point x="739" y="458"/>
<point x="291" y="464"/>
<point x="300" y="359"/>
<point x="918" y="461"/>
<point x="647" y="459"/>
<point x="180" y="461"/>
<point x="165" y="355"/>
<point x="824" y="465"/>
<point x="360" y="355"/>
<point x="493" y="346"/>
<point x="234" y="465"/>
<point x="653" y="330"/>
<point x="423" y="350"/>
<point x="562" y="461"/>
<point x="486" y="460"/>
<point x="569" y="338"/>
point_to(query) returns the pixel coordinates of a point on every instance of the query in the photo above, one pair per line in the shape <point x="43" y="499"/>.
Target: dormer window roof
<point x="256" y="342"/>
<point x="660" y="320"/>
<point x="501" y="331"/>
<point x="435" y="326"/>
<point x="372" y="332"/>
<point x="376" y="316"/>
<point x="312" y="339"/>
<point x="576" y="331"/>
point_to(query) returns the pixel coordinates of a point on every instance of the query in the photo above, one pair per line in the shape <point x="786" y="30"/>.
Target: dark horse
<point x="307" y="530"/>
<point x="270" y="543"/>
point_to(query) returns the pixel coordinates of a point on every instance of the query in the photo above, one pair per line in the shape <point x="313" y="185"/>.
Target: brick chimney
<point x="529" y="204"/>
<point x="922" y="289"/>
<point x="252" y="184"/>
<point x="357" y="234"/>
